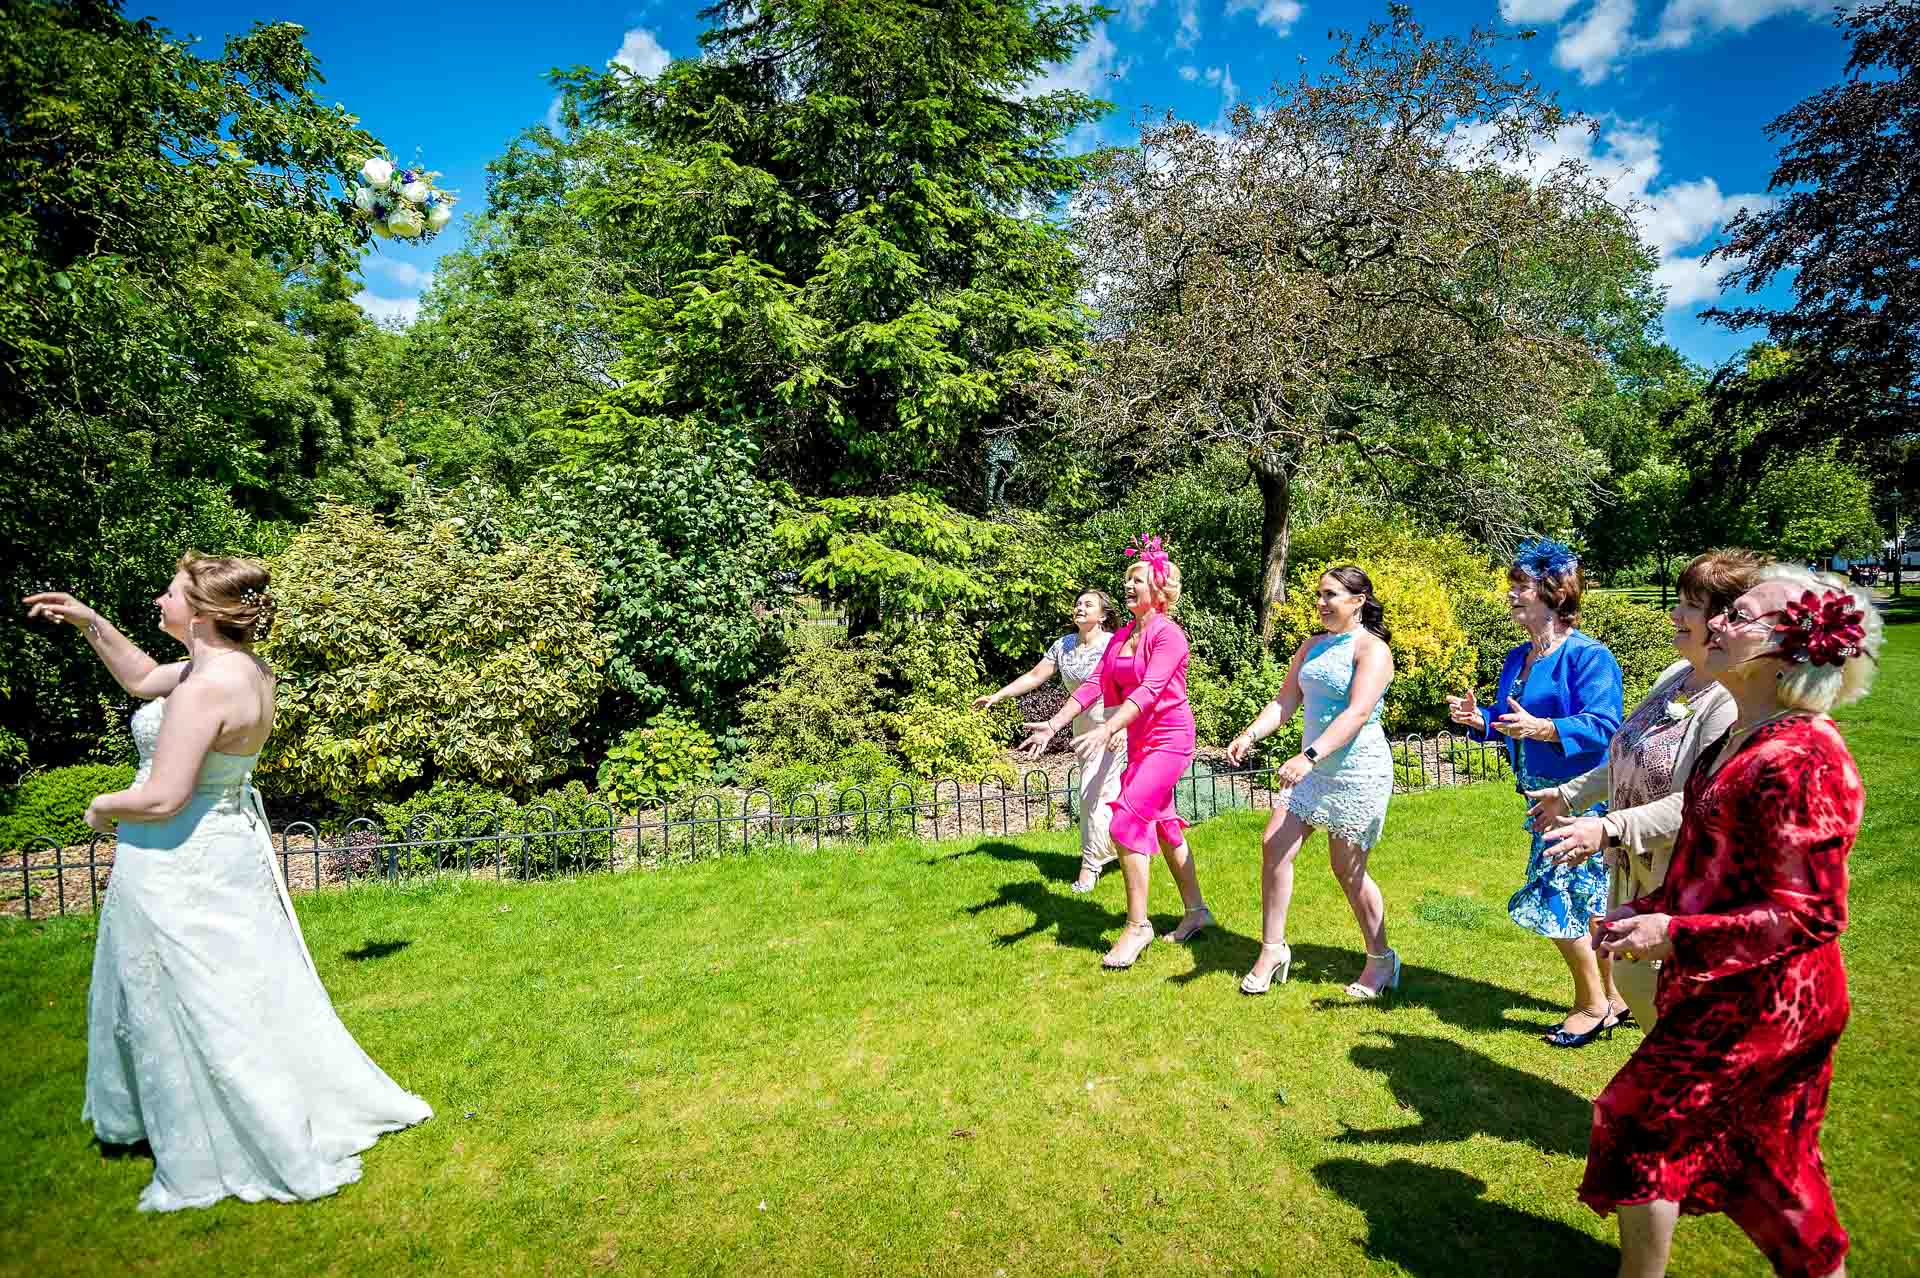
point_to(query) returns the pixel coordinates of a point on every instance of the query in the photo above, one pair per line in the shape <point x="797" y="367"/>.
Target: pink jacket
<point x="1154" y="678"/>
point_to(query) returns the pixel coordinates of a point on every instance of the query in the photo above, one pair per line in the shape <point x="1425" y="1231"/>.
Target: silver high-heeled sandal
<point x="1192" y="923"/>
<point x="1366" y="993"/>
<point x="1140" y="935"/>
<point x="1251" y="984"/>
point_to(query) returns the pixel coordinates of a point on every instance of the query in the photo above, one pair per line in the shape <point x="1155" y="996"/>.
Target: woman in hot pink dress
<point x="1142" y="682"/>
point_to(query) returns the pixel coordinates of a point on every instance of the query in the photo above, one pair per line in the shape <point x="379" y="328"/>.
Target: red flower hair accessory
<point x="1823" y="631"/>
<point x="1152" y="554"/>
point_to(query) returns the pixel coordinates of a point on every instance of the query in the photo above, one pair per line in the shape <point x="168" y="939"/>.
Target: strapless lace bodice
<point x="219" y="772"/>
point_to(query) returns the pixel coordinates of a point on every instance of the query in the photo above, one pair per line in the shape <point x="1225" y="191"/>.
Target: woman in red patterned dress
<point x="1719" y="1110"/>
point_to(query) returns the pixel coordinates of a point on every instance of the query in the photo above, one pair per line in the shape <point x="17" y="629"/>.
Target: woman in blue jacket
<point x="1557" y="706"/>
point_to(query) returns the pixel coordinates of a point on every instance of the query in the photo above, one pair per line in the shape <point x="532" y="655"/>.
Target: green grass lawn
<point x="907" y="1059"/>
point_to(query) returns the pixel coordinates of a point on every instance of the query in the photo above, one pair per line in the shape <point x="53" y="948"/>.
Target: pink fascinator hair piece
<point x="1151" y="553"/>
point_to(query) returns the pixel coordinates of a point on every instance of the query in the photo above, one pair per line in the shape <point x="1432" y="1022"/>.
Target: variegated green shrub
<point x="410" y="651"/>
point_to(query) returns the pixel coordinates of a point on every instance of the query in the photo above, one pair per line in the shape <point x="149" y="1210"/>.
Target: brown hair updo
<point x="230" y="593"/>
<point x="1719" y="577"/>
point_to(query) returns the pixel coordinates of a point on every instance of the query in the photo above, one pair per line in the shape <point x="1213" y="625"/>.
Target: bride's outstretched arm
<point x="134" y="670"/>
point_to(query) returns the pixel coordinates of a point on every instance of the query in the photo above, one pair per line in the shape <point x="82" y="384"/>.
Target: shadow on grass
<point x="1460" y="1093"/>
<point x="1433" y="1221"/>
<point x="375" y="950"/>
<point x="1074" y="918"/>
<point x="123" y="1153"/>
<point x="1079" y="921"/>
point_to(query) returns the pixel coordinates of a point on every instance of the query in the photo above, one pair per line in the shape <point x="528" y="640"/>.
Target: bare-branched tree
<point x="1375" y="260"/>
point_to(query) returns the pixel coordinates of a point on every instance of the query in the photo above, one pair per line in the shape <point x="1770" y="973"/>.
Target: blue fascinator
<point x="1544" y="557"/>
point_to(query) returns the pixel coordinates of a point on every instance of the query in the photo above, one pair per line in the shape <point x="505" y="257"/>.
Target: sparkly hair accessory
<point x="262" y="603"/>
<point x="1821" y="631"/>
<point x="1544" y="557"/>
<point x="1152" y="554"/>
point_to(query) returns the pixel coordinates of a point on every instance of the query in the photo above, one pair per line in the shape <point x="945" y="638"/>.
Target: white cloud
<point x="1189" y="74"/>
<point x="1188" y="33"/>
<point x="553" y="112"/>
<point x="1535" y="10"/>
<point x="1221" y="78"/>
<point x="402" y="274"/>
<point x="1593" y="46"/>
<point x="1093" y="65"/>
<point x="1278" y="14"/>
<point x="1682" y="20"/>
<point x="1134" y="12"/>
<point x="640" y="53"/>
<point x="1675" y="218"/>
<point x="390" y="312"/>
<point x="1601" y="37"/>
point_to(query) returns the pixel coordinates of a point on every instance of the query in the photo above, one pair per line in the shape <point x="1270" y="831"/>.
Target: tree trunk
<point x="1276" y="504"/>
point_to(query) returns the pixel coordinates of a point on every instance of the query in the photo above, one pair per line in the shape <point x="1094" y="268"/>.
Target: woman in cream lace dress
<point x="209" y="1035"/>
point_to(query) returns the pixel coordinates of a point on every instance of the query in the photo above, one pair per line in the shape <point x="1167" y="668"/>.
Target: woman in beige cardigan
<point x="1647" y="767"/>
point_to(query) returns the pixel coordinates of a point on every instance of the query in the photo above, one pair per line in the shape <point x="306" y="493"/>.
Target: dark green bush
<point x="53" y="804"/>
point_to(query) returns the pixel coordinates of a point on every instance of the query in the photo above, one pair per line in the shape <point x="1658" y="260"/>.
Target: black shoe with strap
<point x="1602" y="1028"/>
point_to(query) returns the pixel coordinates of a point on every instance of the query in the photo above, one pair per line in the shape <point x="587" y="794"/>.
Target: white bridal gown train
<point x="209" y="1034"/>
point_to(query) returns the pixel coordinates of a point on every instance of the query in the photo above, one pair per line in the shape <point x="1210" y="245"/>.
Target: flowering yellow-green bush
<point x="419" y="649"/>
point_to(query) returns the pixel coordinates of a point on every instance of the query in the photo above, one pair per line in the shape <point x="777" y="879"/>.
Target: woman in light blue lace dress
<point x="1339" y="782"/>
<point x="209" y="1035"/>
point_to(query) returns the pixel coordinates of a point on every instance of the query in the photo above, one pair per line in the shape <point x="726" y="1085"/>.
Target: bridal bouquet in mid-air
<point x="400" y="203"/>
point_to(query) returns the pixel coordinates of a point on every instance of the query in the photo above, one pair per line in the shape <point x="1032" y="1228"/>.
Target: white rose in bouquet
<point x="405" y="222"/>
<point x="415" y="192"/>
<point x="377" y="172"/>
<point x="438" y="216"/>
<point x="363" y="198"/>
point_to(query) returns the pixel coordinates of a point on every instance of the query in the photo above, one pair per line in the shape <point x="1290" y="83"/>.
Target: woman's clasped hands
<point x="1621" y="933"/>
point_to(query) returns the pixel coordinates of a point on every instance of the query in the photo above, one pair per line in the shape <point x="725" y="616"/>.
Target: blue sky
<point x="1681" y="89"/>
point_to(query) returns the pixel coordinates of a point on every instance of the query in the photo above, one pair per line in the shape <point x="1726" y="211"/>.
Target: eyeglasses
<point x="1733" y="618"/>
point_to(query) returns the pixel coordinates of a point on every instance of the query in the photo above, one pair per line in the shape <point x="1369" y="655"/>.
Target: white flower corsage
<point x="1679" y="708"/>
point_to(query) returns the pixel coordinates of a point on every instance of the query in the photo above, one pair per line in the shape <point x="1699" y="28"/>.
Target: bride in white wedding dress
<point x="209" y="1035"/>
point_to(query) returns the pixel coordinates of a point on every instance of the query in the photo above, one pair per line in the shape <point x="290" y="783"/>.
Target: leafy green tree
<point x="1813" y="505"/>
<point x="519" y="322"/>
<point x="832" y="214"/>
<point x="1650" y="520"/>
<point x="142" y="186"/>
<point x="683" y="538"/>
<point x="893" y="562"/>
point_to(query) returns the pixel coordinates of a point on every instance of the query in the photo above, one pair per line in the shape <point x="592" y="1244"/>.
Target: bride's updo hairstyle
<point x="230" y="593"/>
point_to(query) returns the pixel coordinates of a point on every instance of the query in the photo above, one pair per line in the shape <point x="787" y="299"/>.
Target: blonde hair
<point x="1818" y="689"/>
<point x="230" y="593"/>
<point x="1165" y="593"/>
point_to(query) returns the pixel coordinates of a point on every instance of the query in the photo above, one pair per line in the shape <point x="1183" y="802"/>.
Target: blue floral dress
<point x="1556" y="900"/>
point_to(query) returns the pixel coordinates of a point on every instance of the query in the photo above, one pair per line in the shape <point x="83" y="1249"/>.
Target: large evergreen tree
<point x="837" y="221"/>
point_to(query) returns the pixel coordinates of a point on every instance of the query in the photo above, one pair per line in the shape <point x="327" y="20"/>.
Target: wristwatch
<point x="1310" y="754"/>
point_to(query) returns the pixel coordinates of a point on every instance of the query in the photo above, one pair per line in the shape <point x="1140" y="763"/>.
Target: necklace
<point x="1743" y="729"/>
<point x="1553" y="641"/>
